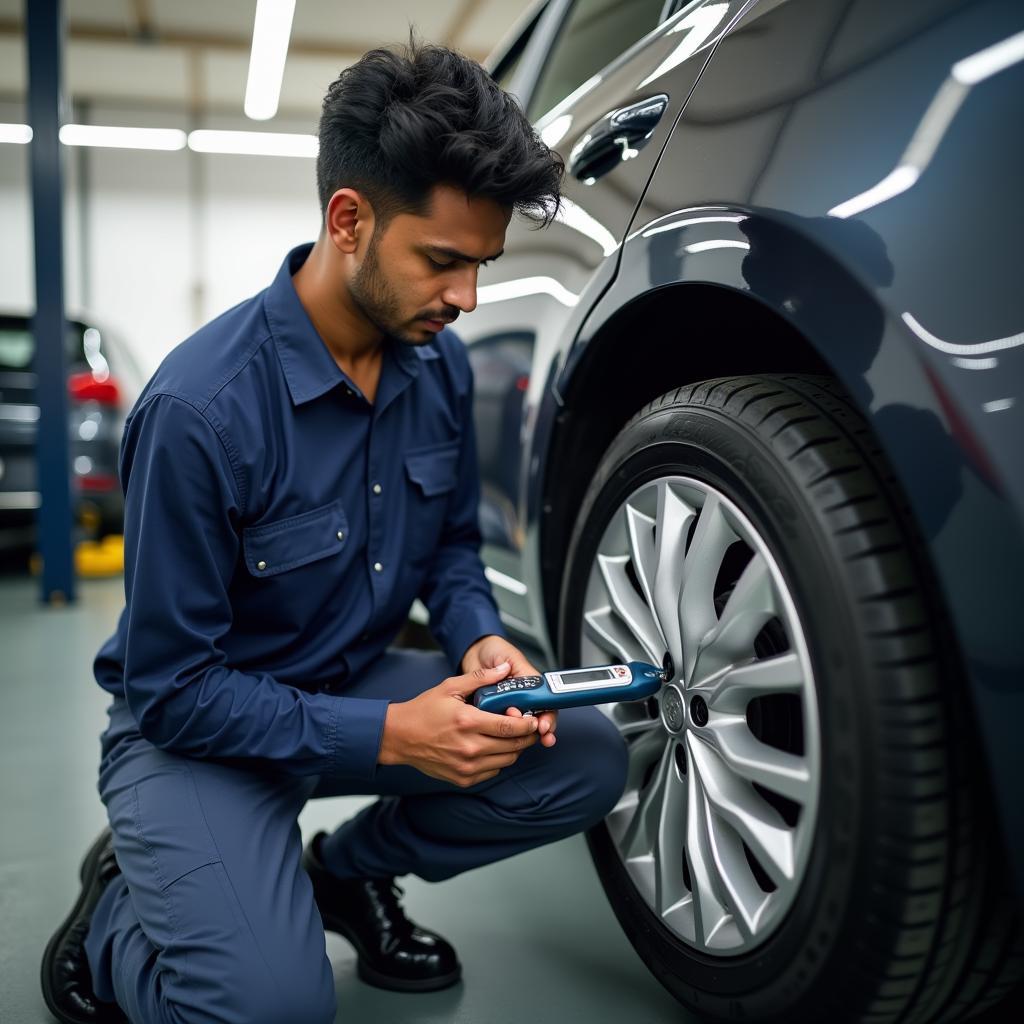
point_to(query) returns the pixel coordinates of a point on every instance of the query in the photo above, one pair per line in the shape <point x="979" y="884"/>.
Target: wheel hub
<point x="673" y="716"/>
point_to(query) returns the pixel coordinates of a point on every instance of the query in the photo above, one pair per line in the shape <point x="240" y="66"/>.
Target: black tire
<point x="905" y="912"/>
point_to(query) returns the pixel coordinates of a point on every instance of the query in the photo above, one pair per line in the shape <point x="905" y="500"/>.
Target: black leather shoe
<point x="393" y="952"/>
<point x="65" y="977"/>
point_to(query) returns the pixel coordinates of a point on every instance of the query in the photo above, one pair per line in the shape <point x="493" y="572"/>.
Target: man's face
<point x="419" y="273"/>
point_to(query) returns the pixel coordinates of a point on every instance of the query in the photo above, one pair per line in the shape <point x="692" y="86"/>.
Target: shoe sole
<point x="88" y="871"/>
<point x="388" y="981"/>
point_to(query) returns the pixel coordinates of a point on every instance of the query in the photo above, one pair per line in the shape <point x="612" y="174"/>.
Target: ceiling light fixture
<point x="253" y="143"/>
<point x="122" y="138"/>
<point x="270" y="34"/>
<point x="19" y="134"/>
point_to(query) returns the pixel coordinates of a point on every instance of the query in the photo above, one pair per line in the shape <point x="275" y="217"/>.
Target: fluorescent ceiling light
<point x="270" y="34"/>
<point x="990" y="61"/>
<point x="717" y="243"/>
<point x="122" y="138"/>
<point x="253" y="143"/>
<point x="932" y="128"/>
<point x="952" y="348"/>
<point x="520" y="287"/>
<point x="16" y="133"/>
<point x="687" y="221"/>
<point x="572" y="215"/>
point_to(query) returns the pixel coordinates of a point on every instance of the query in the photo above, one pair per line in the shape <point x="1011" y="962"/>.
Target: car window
<point x="509" y="63"/>
<point x="593" y="35"/>
<point x="18" y="347"/>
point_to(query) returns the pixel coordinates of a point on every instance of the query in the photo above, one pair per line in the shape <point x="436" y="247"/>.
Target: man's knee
<point x="594" y="760"/>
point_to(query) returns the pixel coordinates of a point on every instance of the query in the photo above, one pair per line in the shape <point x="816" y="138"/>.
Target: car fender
<point x="826" y="278"/>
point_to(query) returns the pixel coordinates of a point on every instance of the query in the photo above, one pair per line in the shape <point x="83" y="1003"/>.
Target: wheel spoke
<point x="668" y="853"/>
<point x="641" y="836"/>
<point x="748" y="757"/>
<point x="640" y="531"/>
<point x="643" y="751"/>
<point x="732" y="689"/>
<point x="751" y="604"/>
<point x="607" y="630"/>
<point x="758" y="824"/>
<point x="631" y="719"/>
<point x="742" y="895"/>
<point x="710" y="913"/>
<point x="629" y="606"/>
<point x="674" y="518"/>
<point x="697" y="616"/>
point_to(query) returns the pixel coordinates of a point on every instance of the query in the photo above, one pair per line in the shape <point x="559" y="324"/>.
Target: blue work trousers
<point x="213" y="918"/>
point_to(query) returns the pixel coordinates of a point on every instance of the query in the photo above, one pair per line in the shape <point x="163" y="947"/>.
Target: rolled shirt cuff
<point x="357" y="728"/>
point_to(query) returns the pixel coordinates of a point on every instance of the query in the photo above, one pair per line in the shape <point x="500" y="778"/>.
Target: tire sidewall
<point x="791" y="967"/>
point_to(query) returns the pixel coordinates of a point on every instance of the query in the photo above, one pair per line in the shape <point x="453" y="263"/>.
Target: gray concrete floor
<point x="536" y="936"/>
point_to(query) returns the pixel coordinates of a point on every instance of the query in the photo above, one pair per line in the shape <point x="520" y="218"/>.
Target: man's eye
<point x="438" y="266"/>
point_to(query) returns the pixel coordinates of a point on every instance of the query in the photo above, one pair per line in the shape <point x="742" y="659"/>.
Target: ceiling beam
<point x="145" y="27"/>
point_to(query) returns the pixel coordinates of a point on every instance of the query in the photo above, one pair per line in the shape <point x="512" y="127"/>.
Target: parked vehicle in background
<point x="755" y="400"/>
<point x="103" y="382"/>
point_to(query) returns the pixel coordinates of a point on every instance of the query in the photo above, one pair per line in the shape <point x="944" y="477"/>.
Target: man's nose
<point x="461" y="292"/>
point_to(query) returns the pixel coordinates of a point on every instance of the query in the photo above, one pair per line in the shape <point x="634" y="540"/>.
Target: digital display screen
<point x="587" y="675"/>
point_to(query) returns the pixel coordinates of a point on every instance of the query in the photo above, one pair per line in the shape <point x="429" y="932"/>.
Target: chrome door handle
<point x="618" y="136"/>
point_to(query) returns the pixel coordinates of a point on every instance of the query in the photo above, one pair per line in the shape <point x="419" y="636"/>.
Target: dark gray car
<point x="103" y="382"/>
<point x="755" y="401"/>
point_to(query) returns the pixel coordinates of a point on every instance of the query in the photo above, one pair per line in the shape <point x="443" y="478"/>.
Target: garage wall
<point x="157" y="243"/>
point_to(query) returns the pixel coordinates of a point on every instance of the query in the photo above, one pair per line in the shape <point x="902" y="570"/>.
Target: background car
<point x="753" y="400"/>
<point x="103" y="382"/>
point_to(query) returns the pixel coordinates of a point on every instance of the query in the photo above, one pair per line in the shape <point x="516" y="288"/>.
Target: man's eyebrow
<point x="456" y="255"/>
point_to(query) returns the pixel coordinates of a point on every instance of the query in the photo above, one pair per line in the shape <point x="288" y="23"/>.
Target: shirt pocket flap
<point x="435" y="470"/>
<point x="297" y="540"/>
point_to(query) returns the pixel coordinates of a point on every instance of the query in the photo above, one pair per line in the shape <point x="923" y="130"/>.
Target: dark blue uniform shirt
<point x="277" y="529"/>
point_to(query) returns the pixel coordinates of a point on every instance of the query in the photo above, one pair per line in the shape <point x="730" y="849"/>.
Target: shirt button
<point x="377" y="488"/>
<point x="341" y="535"/>
<point x="377" y="567"/>
<point x="261" y="566"/>
<point x="349" y="391"/>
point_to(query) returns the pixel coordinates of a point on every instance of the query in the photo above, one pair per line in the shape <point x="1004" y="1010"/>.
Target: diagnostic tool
<point x="570" y="688"/>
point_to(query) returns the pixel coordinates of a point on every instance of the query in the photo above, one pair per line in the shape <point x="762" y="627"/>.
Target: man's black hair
<point x="397" y="123"/>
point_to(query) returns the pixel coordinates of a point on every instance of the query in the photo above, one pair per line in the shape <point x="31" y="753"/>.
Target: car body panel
<point x="782" y="184"/>
<point x="540" y="290"/>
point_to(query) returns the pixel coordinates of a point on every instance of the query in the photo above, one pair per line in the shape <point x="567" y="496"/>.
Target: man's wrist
<point x="390" y="737"/>
<point x="471" y="659"/>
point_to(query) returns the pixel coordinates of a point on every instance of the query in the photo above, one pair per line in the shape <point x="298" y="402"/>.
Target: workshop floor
<point x="536" y="936"/>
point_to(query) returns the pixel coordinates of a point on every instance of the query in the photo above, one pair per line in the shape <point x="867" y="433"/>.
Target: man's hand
<point x="443" y="736"/>
<point x="489" y="651"/>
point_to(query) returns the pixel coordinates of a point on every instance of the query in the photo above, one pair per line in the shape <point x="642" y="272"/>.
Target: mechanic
<point x="296" y="473"/>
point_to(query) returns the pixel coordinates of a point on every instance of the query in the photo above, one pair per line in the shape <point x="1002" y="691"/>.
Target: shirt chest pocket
<point x="432" y="473"/>
<point x="285" y="544"/>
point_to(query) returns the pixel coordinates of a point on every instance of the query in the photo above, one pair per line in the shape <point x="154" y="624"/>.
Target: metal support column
<point x="44" y="20"/>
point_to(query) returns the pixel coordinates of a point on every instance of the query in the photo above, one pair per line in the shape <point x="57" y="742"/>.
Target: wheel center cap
<point x="672" y="708"/>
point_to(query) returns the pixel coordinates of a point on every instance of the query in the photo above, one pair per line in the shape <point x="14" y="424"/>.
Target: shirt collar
<point x="309" y="368"/>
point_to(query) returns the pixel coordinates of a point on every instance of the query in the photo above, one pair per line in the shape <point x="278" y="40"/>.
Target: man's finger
<point x="467" y="684"/>
<point x="505" y="726"/>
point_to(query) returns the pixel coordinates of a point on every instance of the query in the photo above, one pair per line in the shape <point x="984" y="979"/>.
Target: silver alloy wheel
<point x="719" y="811"/>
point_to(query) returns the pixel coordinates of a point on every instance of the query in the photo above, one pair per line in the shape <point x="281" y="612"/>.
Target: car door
<point x="603" y="81"/>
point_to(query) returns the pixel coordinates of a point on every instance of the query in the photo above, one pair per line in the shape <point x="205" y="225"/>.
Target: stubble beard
<point x="377" y="301"/>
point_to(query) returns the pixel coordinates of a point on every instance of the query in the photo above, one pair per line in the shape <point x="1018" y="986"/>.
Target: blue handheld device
<point x="570" y="688"/>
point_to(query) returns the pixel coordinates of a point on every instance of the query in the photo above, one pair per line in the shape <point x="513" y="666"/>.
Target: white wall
<point x="162" y="242"/>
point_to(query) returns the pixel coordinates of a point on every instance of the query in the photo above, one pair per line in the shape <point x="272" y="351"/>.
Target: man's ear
<point x="349" y="220"/>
